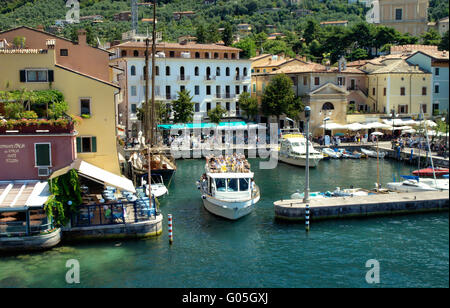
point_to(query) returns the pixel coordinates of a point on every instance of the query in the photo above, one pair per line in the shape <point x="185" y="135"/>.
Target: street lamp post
<point x="307" y="116"/>
<point x="325" y="126"/>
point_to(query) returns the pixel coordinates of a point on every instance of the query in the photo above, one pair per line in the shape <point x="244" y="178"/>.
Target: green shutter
<point x="42" y="154"/>
<point x="78" y="144"/>
<point x="94" y="144"/>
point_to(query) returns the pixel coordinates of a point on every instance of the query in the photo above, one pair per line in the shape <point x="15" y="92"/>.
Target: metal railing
<point x="19" y="228"/>
<point x="183" y="77"/>
<point x="113" y="213"/>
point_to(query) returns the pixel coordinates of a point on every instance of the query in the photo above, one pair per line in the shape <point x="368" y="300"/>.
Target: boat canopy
<point x="229" y="175"/>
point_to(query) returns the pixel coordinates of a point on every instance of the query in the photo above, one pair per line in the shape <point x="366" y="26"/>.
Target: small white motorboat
<point x="409" y="185"/>
<point x="371" y="153"/>
<point x="332" y="153"/>
<point x="157" y="187"/>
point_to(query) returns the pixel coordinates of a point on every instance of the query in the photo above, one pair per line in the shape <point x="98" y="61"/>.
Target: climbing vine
<point x="64" y="188"/>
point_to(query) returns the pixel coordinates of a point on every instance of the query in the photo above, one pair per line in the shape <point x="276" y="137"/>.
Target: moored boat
<point x="332" y="153"/>
<point x="429" y="172"/>
<point x="227" y="186"/>
<point x="293" y="151"/>
<point x="373" y="154"/>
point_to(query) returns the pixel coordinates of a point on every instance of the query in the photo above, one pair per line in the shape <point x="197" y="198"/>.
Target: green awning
<point x="201" y="125"/>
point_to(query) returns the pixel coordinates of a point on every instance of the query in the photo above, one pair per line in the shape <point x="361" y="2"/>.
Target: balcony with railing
<point x="170" y="96"/>
<point x="357" y="88"/>
<point x="210" y="78"/>
<point x="242" y="78"/>
<point x="183" y="77"/>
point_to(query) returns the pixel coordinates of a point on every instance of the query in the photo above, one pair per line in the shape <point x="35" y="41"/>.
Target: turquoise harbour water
<point x="257" y="250"/>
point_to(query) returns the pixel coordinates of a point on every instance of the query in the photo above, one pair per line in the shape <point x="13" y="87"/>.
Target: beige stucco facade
<point x="406" y="16"/>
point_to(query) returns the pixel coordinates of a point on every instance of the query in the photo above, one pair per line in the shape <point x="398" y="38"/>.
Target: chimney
<point x="40" y="27"/>
<point x="81" y="37"/>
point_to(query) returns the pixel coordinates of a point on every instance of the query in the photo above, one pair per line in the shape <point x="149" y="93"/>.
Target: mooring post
<point x="170" y="228"/>
<point x="307" y="218"/>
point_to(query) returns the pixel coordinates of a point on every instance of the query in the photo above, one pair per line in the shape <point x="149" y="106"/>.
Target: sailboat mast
<point x="378" y="167"/>
<point x="153" y="126"/>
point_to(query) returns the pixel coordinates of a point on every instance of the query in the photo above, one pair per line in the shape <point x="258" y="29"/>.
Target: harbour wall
<point x="30" y="243"/>
<point x="121" y="231"/>
<point x="363" y="206"/>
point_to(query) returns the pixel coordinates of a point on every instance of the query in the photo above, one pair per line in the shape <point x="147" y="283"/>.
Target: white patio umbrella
<point x="377" y="125"/>
<point x="355" y="126"/>
<point x="428" y="123"/>
<point x="402" y="128"/>
<point x="377" y="134"/>
<point x="400" y="122"/>
<point x="409" y="131"/>
<point x="332" y="126"/>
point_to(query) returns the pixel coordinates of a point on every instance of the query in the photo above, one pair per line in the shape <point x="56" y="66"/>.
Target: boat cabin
<point x="295" y="147"/>
<point x="229" y="185"/>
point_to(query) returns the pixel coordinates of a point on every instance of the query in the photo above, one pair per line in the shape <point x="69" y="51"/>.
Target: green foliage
<point x="216" y="114"/>
<point x="358" y="54"/>
<point x="64" y="188"/>
<point x="13" y="110"/>
<point x="19" y="42"/>
<point x="438" y="9"/>
<point x="277" y="96"/>
<point x="162" y="112"/>
<point x="29" y="114"/>
<point x="248" y="47"/>
<point x="444" y="45"/>
<point x="227" y="35"/>
<point x="57" y="109"/>
<point x="248" y="104"/>
<point x="183" y="108"/>
<point x="431" y="37"/>
<point x="17" y="101"/>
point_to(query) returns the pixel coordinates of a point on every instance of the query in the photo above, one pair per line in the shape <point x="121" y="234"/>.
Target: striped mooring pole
<point x="307" y="218"/>
<point x="170" y="228"/>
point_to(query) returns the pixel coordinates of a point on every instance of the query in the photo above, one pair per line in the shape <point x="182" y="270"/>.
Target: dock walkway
<point x="363" y="206"/>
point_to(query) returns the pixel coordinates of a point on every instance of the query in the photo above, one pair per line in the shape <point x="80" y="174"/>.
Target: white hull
<point x="313" y="162"/>
<point x="373" y="153"/>
<point x="232" y="210"/>
<point x="402" y="187"/>
<point x="158" y="190"/>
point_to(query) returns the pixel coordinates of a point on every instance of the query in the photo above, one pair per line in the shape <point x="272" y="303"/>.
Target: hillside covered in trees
<point x="303" y="35"/>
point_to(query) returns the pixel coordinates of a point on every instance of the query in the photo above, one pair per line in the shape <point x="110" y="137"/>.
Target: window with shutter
<point x="42" y="154"/>
<point x="23" y="77"/>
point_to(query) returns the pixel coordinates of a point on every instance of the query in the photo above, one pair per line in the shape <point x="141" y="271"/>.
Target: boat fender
<point x="203" y="197"/>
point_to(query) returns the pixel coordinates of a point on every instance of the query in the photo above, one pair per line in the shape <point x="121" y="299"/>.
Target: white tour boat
<point x="293" y="151"/>
<point x="227" y="187"/>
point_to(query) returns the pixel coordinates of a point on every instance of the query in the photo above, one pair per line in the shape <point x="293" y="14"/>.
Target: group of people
<point x="228" y="163"/>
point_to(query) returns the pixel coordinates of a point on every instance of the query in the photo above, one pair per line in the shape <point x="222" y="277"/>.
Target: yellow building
<point x="263" y="65"/>
<point x="36" y="69"/>
<point x="406" y="16"/>
<point x="394" y="84"/>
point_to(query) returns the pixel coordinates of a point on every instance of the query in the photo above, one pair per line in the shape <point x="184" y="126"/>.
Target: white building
<point x="213" y="75"/>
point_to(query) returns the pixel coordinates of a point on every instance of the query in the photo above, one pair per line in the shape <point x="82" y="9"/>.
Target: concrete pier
<point x="363" y="206"/>
<point x="120" y="231"/>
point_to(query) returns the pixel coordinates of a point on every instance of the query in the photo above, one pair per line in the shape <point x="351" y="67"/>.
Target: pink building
<point x="32" y="153"/>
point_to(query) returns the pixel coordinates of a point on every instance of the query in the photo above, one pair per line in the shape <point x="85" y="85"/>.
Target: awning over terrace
<point x="96" y="174"/>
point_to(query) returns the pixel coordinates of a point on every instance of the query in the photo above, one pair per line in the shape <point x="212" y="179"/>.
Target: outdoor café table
<point x="7" y="219"/>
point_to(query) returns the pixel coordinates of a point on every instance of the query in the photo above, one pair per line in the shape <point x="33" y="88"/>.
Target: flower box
<point x="37" y="128"/>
